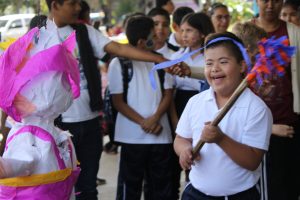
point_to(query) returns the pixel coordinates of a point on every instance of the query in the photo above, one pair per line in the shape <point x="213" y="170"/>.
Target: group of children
<point x="228" y="166"/>
<point x="146" y="159"/>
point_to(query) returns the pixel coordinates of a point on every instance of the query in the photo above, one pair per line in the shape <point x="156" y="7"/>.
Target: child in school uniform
<point x="83" y="116"/>
<point x="228" y="166"/>
<point x="177" y="16"/>
<point x="194" y="28"/>
<point x="142" y="125"/>
<point x="161" y="20"/>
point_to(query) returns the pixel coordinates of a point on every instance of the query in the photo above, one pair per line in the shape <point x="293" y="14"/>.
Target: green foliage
<point x="125" y="7"/>
<point x="3" y="5"/>
<point x="21" y="6"/>
<point x="239" y="10"/>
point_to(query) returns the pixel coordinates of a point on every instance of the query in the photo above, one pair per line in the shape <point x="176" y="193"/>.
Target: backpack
<point x="110" y="112"/>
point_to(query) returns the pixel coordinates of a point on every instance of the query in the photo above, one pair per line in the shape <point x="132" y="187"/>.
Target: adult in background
<point x="284" y="102"/>
<point x="220" y="17"/>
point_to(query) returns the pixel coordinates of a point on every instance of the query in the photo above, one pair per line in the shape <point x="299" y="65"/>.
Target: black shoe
<point x="107" y="146"/>
<point x="100" y="181"/>
<point x="110" y="148"/>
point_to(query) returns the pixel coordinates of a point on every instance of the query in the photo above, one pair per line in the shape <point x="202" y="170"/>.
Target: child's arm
<point x="244" y="155"/>
<point x="283" y="130"/>
<point x="4" y="131"/>
<point x="3" y="120"/>
<point x="182" y="69"/>
<point x="126" y="110"/>
<point x="128" y="51"/>
<point x="183" y="148"/>
<point x="151" y="122"/>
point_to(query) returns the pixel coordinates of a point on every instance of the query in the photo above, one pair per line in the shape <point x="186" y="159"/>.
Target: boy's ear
<point x="175" y="27"/>
<point x="54" y="5"/>
<point x="140" y="43"/>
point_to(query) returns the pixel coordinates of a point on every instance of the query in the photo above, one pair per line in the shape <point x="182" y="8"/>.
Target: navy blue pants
<point x="191" y="193"/>
<point x="87" y="139"/>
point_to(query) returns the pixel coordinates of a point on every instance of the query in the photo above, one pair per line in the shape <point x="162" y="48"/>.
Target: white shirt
<point x="186" y="83"/>
<point x="143" y="99"/>
<point x="165" y="51"/>
<point x="249" y="122"/>
<point x="51" y="35"/>
<point x="172" y="40"/>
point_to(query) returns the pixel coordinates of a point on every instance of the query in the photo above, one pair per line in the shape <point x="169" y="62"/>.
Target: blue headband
<point x="187" y="55"/>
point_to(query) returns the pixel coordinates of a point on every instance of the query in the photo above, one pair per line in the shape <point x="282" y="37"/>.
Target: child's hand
<point x="149" y="124"/>
<point x="283" y="130"/>
<point x="186" y="158"/>
<point x="180" y="69"/>
<point x="211" y="134"/>
<point x="157" y="130"/>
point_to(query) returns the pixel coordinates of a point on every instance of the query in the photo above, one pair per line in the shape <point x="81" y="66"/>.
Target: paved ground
<point x="109" y="171"/>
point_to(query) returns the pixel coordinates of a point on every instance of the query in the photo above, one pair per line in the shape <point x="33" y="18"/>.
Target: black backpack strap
<point x="172" y="47"/>
<point x="127" y="73"/>
<point x="161" y="76"/>
<point x="106" y="58"/>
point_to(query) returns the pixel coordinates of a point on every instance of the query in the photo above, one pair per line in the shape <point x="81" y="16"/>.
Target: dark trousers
<point x="283" y="167"/>
<point x="191" y="193"/>
<point x="181" y="99"/>
<point x="87" y="139"/>
<point x="176" y="177"/>
<point x="145" y="162"/>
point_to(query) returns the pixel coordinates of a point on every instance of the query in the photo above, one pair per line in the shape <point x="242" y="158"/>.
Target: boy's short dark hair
<point x="159" y="11"/>
<point x="161" y="3"/>
<point x="235" y="50"/>
<point x="50" y="1"/>
<point x="85" y="8"/>
<point x="138" y="28"/>
<point x="37" y="21"/>
<point x="293" y="4"/>
<point x="215" y="6"/>
<point x="129" y="16"/>
<point x="180" y="12"/>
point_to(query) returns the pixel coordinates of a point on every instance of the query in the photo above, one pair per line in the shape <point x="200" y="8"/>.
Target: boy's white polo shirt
<point x="50" y="36"/>
<point x="166" y="51"/>
<point x="143" y="99"/>
<point x="172" y="40"/>
<point x="249" y="122"/>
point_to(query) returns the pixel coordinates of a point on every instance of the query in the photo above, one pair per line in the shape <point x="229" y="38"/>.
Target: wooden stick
<point x="238" y="91"/>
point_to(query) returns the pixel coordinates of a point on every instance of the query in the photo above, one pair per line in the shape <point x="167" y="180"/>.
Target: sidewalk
<point x="109" y="166"/>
